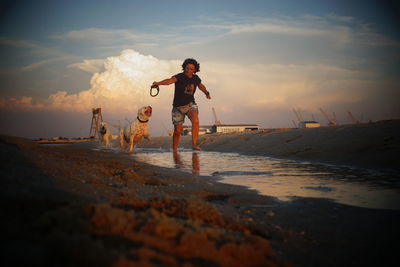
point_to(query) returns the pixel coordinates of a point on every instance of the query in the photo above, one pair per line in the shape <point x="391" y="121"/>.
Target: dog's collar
<point x="103" y="130"/>
<point x="141" y="120"/>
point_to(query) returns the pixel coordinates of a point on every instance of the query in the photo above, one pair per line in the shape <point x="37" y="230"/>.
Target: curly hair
<point x="191" y="61"/>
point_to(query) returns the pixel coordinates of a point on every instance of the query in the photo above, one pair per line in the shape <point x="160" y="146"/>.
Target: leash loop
<point x="154" y="87"/>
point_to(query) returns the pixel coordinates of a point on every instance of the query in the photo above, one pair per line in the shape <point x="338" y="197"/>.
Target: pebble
<point x="270" y="213"/>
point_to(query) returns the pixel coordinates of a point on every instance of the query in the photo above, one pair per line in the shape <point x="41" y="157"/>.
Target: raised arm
<point x="166" y="81"/>
<point x="203" y="88"/>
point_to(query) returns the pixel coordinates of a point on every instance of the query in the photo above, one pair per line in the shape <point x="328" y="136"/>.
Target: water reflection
<point x="286" y="179"/>
<point x="180" y="165"/>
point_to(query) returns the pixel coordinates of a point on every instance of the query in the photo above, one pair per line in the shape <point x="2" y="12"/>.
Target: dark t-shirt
<point x="185" y="88"/>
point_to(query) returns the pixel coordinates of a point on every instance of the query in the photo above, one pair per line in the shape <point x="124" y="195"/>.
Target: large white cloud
<point x="122" y="87"/>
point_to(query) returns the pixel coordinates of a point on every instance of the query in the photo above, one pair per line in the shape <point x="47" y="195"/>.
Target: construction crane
<point x="298" y="115"/>
<point x="331" y="121"/>
<point x="355" y="121"/>
<point x="216" y="121"/>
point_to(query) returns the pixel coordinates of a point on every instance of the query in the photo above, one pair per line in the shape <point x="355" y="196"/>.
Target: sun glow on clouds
<point x="121" y="87"/>
<point x="89" y="65"/>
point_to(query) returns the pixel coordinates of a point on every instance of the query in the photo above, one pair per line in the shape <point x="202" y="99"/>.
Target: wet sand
<point x="71" y="205"/>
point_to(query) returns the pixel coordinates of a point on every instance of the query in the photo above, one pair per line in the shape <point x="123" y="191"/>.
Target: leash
<point x="154" y="87"/>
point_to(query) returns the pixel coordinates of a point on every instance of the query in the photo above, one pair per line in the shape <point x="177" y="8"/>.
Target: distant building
<point x="309" y="124"/>
<point x="205" y="129"/>
<point x="231" y="128"/>
<point x="221" y="128"/>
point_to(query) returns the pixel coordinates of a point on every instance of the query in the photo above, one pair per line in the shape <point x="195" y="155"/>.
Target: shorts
<point x="179" y="113"/>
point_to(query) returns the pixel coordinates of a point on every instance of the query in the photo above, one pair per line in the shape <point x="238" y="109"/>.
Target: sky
<point x="260" y="60"/>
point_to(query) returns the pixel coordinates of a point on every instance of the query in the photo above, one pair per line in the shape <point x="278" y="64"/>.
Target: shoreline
<point x="371" y="146"/>
<point x="73" y="205"/>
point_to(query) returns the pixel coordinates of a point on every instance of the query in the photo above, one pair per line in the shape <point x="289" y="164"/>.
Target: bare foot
<point x="196" y="148"/>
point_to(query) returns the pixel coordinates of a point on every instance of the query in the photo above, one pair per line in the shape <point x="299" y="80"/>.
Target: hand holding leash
<point x="154" y="87"/>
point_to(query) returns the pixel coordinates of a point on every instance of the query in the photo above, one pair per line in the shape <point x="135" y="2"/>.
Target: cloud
<point x="42" y="63"/>
<point x="275" y="29"/>
<point x="16" y="42"/>
<point x="346" y="19"/>
<point x="306" y="26"/>
<point x="320" y="37"/>
<point x="101" y="35"/>
<point x="35" y="65"/>
<point x="22" y="102"/>
<point x="283" y="86"/>
<point x="89" y="65"/>
<point x="33" y="47"/>
<point x="121" y="87"/>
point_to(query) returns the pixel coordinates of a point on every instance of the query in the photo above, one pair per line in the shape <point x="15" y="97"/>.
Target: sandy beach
<point x="75" y="205"/>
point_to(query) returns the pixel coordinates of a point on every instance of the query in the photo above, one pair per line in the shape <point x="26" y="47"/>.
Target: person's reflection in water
<point x="195" y="162"/>
<point x="177" y="160"/>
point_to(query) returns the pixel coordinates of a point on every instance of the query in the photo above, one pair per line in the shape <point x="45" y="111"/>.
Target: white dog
<point x="105" y="135"/>
<point x="133" y="133"/>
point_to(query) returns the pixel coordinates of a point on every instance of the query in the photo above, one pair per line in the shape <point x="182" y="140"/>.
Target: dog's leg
<point x="108" y="141"/>
<point x="131" y="144"/>
<point x="121" y="138"/>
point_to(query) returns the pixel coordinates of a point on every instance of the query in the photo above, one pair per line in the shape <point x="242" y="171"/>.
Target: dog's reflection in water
<point x="195" y="162"/>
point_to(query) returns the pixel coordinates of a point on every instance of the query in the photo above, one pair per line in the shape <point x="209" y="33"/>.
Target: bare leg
<point x="194" y="118"/>
<point x="177" y="134"/>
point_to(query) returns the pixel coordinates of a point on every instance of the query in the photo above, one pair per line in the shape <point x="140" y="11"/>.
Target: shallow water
<point x="285" y="179"/>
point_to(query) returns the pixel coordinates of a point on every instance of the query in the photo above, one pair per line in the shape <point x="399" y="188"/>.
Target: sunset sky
<point x="259" y="60"/>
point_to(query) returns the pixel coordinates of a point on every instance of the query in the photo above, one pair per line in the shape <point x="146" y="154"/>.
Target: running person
<point x="184" y="103"/>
